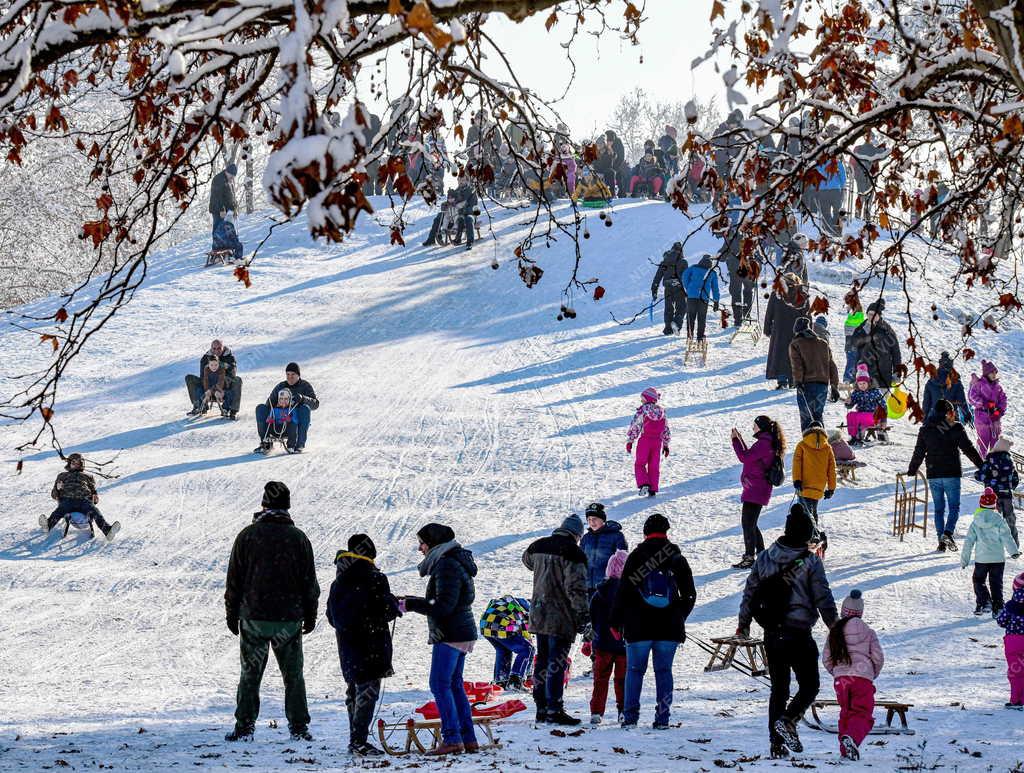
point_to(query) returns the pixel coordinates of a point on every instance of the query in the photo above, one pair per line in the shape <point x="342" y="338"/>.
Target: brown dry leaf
<point x="52" y="339"/>
<point x="717" y="9"/>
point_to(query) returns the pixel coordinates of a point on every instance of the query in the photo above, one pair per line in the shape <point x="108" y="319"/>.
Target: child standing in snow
<point x="854" y="657"/>
<point x="864" y="401"/>
<point x="999" y="473"/>
<point x="1012" y="619"/>
<point x="989" y="402"/>
<point x="989" y="536"/>
<point x="608" y="650"/>
<point x="814" y="472"/>
<point x="650" y="428"/>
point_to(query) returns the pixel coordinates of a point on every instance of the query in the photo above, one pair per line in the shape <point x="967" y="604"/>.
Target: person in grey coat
<point x="742" y="278"/>
<point x="670" y="276"/>
<point x="779" y="320"/>
<point x="222" y="195"/>
<point x="788" y="643"/>
<point x="559" y="609"/>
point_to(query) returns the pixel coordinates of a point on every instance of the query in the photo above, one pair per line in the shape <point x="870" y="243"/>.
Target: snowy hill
<point x="448" y="392"/>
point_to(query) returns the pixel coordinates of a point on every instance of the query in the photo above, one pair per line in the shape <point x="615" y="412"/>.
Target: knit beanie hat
<point x="801" y="324"/>
<point x="596" y="510"/>
<point x="231" y="169"/>
<point x="573" y="525"/>
<point x="877" y="306"/>
<point x="616" y="563"/>
<point x="292" y="367"/>
<point x="821" y="321"/>
<point x="276" y="496"/>
<point x="764" y="423"/>
<point x="1018" y="581"/>
<point x="945" y="362"/>
<point x="650" y="395"/>
<point x="942" y="407"/>
<point x="799" y="528"/>
<point x="862" y="373"/>
<point x="988" y="498"/>
<point x="988" y="368"/>
<point x="434" y="534"/>
<point x="656" y="523"/>
<point x="362" y="545"/>
<point x="853" y="605"/>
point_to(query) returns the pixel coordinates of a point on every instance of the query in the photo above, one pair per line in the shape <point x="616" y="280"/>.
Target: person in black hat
<point x="360" y="608"/>
<point x="270" y="600"/>
<point x="304" y="400"/>
<point x="670" y="275"/>
<point x="602" y="539"/>
<point x="786" y="592"/>
<point x="878" y="346"/>
<point x="222" y="195"/>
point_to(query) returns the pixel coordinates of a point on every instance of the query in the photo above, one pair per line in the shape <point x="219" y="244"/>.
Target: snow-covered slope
<point x="449" y="392"/>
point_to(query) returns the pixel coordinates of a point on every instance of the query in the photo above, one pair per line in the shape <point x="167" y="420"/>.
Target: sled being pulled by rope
<point x="892" y="709"/>
<point x="745" y="654"/>
<point x="698" y="350"/>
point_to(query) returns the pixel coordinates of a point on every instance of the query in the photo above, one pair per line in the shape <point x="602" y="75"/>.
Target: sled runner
<point x="745" y="655"/>
<point x="431" y="730"/>
<point x="697" y="350"/>
<point x="904" y="513"/>
<point x="892" y="709"/>
<point x="748" y="328"/>
<point x="219" y="258"/>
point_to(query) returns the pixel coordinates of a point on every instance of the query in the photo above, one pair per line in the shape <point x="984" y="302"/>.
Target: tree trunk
<point x="1005" y="22"/>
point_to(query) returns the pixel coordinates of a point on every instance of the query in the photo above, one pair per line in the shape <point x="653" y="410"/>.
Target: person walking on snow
<point x="270" y="600"/>
<point x="1012" y="619"/>
<point x="779" y="322"/>
<point x="814" y="475"/>
<point x="854" y="657"/>
<point x="359" y="609"/>
<point x="814" y="370"/>
<point x="602" y="539"/>
<point x="989" y="402"/>
<point x="999" y="473"/>
<point x="788" y="572"/>
<point x="607" y="648"/>
<point x="940" y="442"/>
<point x="448" y="607"/>
<point x="700" y="283"/>
<point x="990" y="539"/>
<point x="654" y="598"/>
<point x="758" y="460"/>
<point x="670" y="276"/>
<point x="75" y="492"/>
<point x="559" y="610"/>
<point x="864" y="401"/>
<point x="650" y="430"/>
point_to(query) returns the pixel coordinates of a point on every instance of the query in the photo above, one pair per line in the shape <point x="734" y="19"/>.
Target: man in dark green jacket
<point x="271" y="599"/>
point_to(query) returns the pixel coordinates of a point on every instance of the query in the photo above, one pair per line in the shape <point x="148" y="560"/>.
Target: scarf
<point x="426" y="566"/>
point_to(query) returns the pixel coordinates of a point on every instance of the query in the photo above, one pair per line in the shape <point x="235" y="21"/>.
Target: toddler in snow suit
<point x="989" y="537"/>
<point x="864" y="401"/>
<point x="988" y="400"/>
<point x="75" y="492"/>
<point x="281" y="421"/>
<point x="854" y="657"/>
<point x="506" y="625"/>
<point x="999" y="473"/>
<point x="608" y="650"/>
<point x="841" y="449"/>
<point x="1012" y="619"/>
<point x="649" y="430"/>
<point x="814" y="474"/>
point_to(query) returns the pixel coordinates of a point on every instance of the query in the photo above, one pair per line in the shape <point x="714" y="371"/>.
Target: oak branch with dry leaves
<point x="180" y="82"/>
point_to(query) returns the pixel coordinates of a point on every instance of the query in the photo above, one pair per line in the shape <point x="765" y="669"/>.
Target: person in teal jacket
<point x="700" y="282"/>
<point x="990" y="539"/>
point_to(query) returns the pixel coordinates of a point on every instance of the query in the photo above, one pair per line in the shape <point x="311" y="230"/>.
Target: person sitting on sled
<point x="232" y="383"/>
<point x="864" y="401"/>
<point x="281" y="421"/>
<point x="214" y="385"/>
<point x="75" y="492"/>
<point x="591" y="188"/>
<point x="650" y="427"/>
<point x="304" y="401"/>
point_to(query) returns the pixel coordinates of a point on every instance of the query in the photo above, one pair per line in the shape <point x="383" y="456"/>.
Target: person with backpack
<point x="700" y="283"/>
<point x="762" y="470"/>
<point x="670" y="276"/>
<point x="989" y="402"/>
<point x="1012" y="620"/>
<point x="654" y="598"/>
<point x="650" y="427"/>
<point x="607" y="649"/>
<point x="940" y="442"/>
<point x="999" y="473"/>
<point x="599" y="543"/>
<point x="74" y="490"/>
<point x="990" y="539"/>
<point x="359" y="609"/>
<point x="854" y="657"/>
<point x="786" y="592"/>
<point x="505" y="624"/>
<point x="559" y="610"/>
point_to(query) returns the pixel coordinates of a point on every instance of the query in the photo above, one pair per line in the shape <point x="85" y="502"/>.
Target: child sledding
<point x="649" y="430"/>
<point x="76" y="495"/>
<point x="280" y="425"/>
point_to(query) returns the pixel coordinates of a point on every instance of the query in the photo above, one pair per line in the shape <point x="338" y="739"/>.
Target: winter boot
<point x="660" y="726"/>
<point x="779" y="751"/>
<point x="595" y="719"/>
<point x="849" y="748"/>
<point x="947" y="537"/>
<point x="651" y="492"/>
<point x="996" y="609"/>
<point x="263" y="448"/>
<point x="446" y="748"/>
<point x="542" y="717"/>
<point x="515" y="684"/>
<point x="44" y="522"/>
<point x="1014" y="706"/>
<point x="471" y="747"/>
<point x="667" y="331"/>
<point x="301" y="734"/>
<point x="364" y="749"/>
<point x="644" y="491"/>
<point x="110" y="533"/>
<point x="979" y="610"/>
<point x="744" y="563"/>
<point x="785" y="728"/>
<point x="942" y="546"/>
<point x="561" y="718"/>
<point x="240" y="733"/>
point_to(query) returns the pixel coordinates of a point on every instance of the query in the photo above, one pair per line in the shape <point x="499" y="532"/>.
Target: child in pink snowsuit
<point x="650" y="427"/>
<point x="854" y="657"/>
<point x="863" y="403"/>
<point x="1012" y="619"/>
<point x="989" y="402"/>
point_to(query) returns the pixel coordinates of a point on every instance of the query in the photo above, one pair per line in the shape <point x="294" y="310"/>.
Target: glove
<point x="963" y="563"/>
<point x="834" y="396"/>
<point x="828" y="493"/>
<point x="743" y="633"/>
<point x="664" y="452"/>
<point x="1015" y="556"/>
<point x="233" y="624"/>
<point x="308" y="625"/>
<point x="586" y="649"/>
<point x="401" y="606"/>
<point x="629" y="448"/>
<point x="798" y="485"/>
<point x="716" y="307"/>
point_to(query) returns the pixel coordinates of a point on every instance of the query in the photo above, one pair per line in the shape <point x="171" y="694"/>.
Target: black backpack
<point x="770" y="602"/>
<point x="776" y="474"/>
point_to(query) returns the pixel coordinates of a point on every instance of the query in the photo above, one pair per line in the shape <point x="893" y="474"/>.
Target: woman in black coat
<point x="448" y="605"/>
<point x="779" y="318"/>
<point x="878" y="347"/>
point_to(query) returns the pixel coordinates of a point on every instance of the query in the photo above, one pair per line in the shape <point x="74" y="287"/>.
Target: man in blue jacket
<point x="700" y="281"/>
<point x="602" y="539"/>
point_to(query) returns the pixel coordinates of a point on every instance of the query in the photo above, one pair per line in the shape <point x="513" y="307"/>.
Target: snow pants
<point x="696" y="316"/>
<point x="857" y="421"/>
<point x="989" y="431"/>
<point x="675" y="307"/>
<point x="256" y="639"/>
<point x="647" y="466"/>
<point x="992" y="574"/>
<point x="856" y="696"/>
<point x="1013" y="646"/>
<point x="604" y="664"/>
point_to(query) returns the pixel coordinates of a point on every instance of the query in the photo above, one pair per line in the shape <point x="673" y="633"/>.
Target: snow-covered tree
<point x="637" y="118"/>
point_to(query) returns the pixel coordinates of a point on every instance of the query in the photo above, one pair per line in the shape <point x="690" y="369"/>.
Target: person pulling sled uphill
<point x="303" y="400"/>
<point x="232" y="384"/>
<point x="670" y="276"/>
<point x="650" y="428"/>
<point x="76" y="495"/>
<point x="700" y="283"/>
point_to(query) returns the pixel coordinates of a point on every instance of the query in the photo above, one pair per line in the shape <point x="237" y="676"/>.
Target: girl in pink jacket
<point x="854" y="658"/>
<point x="650" y="428"/>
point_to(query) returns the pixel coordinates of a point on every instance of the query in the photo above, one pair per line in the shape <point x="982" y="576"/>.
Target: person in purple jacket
<point x="769" y="443"/>
<point x="988" y="400"/>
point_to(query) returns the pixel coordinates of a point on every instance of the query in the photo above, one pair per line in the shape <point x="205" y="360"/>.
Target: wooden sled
<point x="697" y="350"/>
<point x="892" y="709"/>
<point x="431" y="728"/>
<point x="745" y="655"/>
<point x="219" y="257"/>
<point x="748" y="329"/>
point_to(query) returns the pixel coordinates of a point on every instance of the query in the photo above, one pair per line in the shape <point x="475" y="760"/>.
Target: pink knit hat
<point x="650" y="395"/>
<point x="1018" y="581"/>
<point x="618" y="561"/>
<point x="862" y="373"/>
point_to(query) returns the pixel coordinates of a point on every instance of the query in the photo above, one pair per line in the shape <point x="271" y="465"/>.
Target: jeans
<point x="512" y="657"/>
<point x="993" y="575"/>
<point x="300" y="420"/>
<point x="810" y="400"/>
<point x="446" y="664"/>
<point x="790" y="650"/>
<point x="662" y="654"/>
<point x="696" y="311"/>
<point x="850" y="370"/>
<point x="753" y="541"/>
<point x="945" y="490"/>
<point x="604" y="664"/>
<point x="256" y="638"/>
<point x="1005" y="507"/>
<point x="83" y="506"/>
<point x="549" y="673"/>
<point x="742" y="293"/>
<point x="360" y="700"/>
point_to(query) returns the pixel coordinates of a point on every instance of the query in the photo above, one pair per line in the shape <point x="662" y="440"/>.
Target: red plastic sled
<point x="481" y="692"/>
<point x="497" y="711"/>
